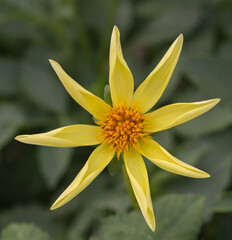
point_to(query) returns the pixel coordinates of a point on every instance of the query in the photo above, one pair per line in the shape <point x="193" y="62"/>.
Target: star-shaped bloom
<point x="124" y="128"/>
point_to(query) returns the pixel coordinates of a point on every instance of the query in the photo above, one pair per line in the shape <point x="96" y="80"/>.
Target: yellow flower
<point x="124" y="128"/>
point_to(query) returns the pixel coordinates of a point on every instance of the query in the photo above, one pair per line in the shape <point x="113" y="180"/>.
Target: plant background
<point x="32" y="100"/>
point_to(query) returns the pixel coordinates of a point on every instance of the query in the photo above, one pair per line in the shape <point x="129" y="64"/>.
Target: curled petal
<point x="70" y="136"/>
<point x="137" y="173"/>
<point x="149" y="92"/>
<point x="93" y="104"/>
<point x="175" y="114"/>
<point x="97" y="161"/>
<point x="163" y="159"/>
<point x="121" y="79"/>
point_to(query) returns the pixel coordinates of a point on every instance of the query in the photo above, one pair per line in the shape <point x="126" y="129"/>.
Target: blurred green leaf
<point x="219" y="228"/>
<point x="105" y="196"/>
<point x="36" y="214"/>
<point x="172" y="85"/>
<point x="177" y="216"/>
<point x="107" y="96"/>
<point x="124" y="17"/>
<point x="187" y="153"/>
<point x="14" y="29"/>
<point x="42" y="87"/>
<point x="165" y="139"/>
<point x="91" y="13"/>
<point x="149" y="9"/>
<point x="217" y="161"/>
<point x="200" y="45"/>
<point x="212" y="75"/>
<point x="27" y="6"/>
<point x="115" y="165"/>
<point x="217" y="119"/>
<point x="8" y="79"/>
<point x="169" y="24"/>
<point x="125" y="226"/>
<point x="223" y="204"/>
<point x="225" y="50"/>
<point x="11" y="117"/>
<point x="75" y="235"/>
<point x="53" y="163"/>
<point x="23" y="232"/>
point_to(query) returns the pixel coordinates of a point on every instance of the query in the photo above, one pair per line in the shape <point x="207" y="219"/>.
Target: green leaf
<point x="169" y="24"/>
<point x="125" y="226"/>
<point x="124" y="17"/>
<point x="225" y="50"/>
<point x="23" y="231"/>
<point x="53" y="163"/>
<point x="215" y="120"/>
<point x="216" y="161"/>
<point x="177" y="217"/>
<point x="107" y="95"/>
<point x="165" y="139"/>
<point x="32" y="214"/>
<point x="187" y="153"/>
<point x="104" y="196"/>
<point x="223" y="204"/>
<point x="212" y="75"/>
<point x="172" y="85"/>
<point x="115" y="165"/>
<point x="42" y="87"/>
<point x="11" y="117"/>
<point x="27" y="6"/>
<point x="8" y="76"/>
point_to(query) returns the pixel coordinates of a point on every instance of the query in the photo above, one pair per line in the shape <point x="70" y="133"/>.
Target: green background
<point x="32" y="100"/>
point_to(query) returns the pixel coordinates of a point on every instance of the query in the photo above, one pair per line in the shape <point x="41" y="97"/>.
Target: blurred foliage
<point x="77" y="34"/>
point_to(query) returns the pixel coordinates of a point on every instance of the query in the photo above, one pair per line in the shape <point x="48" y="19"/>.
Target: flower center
<point x="122" y="128"/>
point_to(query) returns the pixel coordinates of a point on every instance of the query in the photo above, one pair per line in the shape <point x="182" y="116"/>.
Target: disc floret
<point x="123" y="127"/>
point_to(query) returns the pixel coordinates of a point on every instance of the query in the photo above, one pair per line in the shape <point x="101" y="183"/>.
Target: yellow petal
<point x="121" y="79"/>
<point x="175" y="114"/>
<point x="70" y="136"/>
<point x="149" y="92"/>
<point x="97" y="161"/>
<point x="163" y="159"/>
<point x="137" y="173"/>
<point x="93" y="104"/>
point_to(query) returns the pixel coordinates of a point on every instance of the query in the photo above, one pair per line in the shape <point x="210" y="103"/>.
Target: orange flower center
<point x="122" y="128"/>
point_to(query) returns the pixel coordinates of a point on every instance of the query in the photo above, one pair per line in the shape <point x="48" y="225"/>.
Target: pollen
<point x="122" y="128"/>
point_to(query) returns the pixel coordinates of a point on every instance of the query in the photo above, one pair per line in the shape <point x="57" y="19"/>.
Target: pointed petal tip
<point x="180" y="39"/>
<point x="17" y="138"/>
<point x="152" y="225"/>
<point x="153" y="228"/>
<point x="56" y="204"/>
<point x="181" y="36"/>
<point x="207" y="175"/>
<point x="115" y="28"/>
<point x="53" y="207"/>
<point x="116" y="33"/>
<point x="202" y="174"/>
<point x="20" y="137"/>
<point x="216" y="100"/>
<point x="53" y="63"/>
